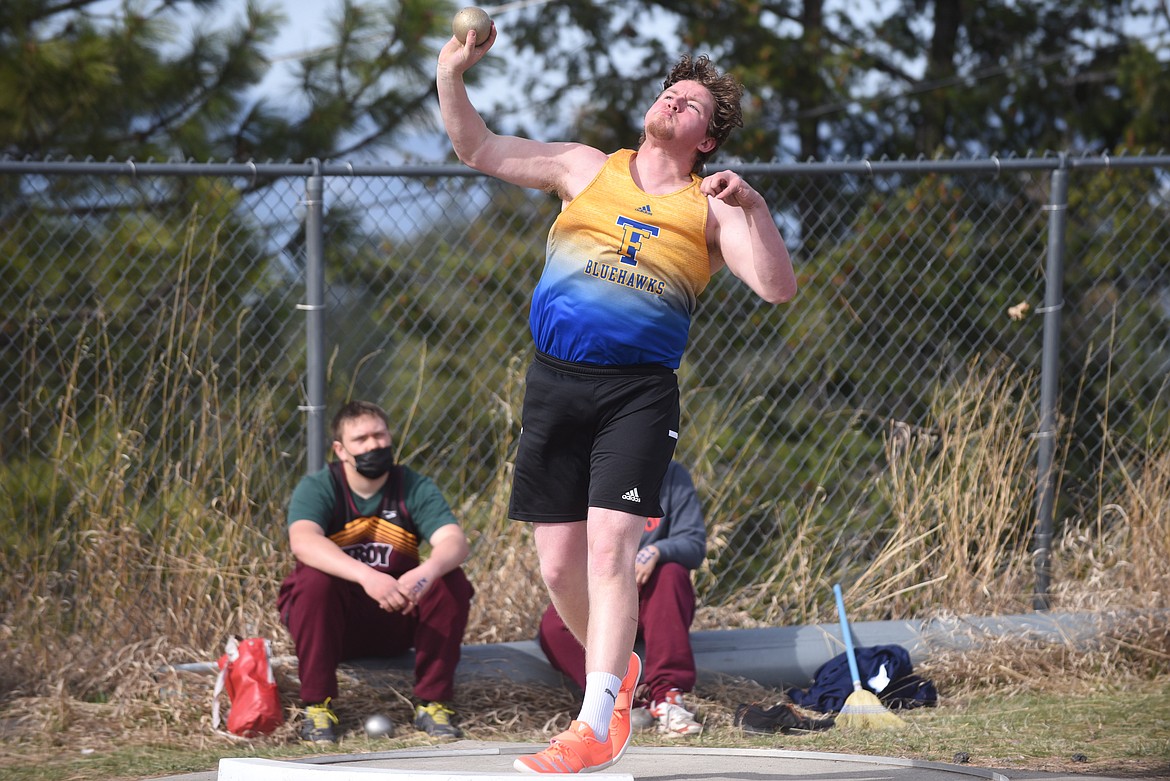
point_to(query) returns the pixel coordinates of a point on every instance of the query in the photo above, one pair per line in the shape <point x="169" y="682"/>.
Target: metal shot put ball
<point x="468" y="18"/>
<point x="379" y="726"/>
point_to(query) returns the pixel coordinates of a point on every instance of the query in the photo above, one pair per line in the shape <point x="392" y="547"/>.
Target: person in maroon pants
<point x="360" y="587"/>
<point x="671" y="546"/>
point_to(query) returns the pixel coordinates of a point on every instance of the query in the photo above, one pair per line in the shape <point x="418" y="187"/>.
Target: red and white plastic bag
<point x="245" y="673"/>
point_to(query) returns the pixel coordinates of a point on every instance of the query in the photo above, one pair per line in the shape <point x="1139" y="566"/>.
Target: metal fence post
<point x="1057" y="209"/>
<point x="314" y="307"/>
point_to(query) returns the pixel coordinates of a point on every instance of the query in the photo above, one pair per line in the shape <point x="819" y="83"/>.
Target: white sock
<point x="601" y="691"/>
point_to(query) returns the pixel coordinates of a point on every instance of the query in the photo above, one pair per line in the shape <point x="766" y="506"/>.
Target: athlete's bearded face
<point x="681" y="113"/>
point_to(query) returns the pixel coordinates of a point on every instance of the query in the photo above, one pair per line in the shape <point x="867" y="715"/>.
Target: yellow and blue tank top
<point x="623" y="272"/>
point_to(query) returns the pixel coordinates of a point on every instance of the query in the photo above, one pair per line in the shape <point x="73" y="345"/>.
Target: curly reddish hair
<point x="723" y="87"/>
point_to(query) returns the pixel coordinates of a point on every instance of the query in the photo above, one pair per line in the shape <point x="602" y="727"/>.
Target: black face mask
<point x="375" y="463"/>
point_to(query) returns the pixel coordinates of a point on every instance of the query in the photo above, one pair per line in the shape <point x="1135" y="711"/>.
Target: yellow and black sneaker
<point x="319" y="723"/>
<point x="434" y="718"/>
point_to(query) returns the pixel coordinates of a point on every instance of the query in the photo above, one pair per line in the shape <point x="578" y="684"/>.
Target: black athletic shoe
<point x="779" y="718"/>
<point x="319" y="724"/>
<point x="434" y="718"/>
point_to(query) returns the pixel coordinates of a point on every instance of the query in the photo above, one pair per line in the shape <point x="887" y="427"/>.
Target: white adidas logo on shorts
<point x="632" y="495"/>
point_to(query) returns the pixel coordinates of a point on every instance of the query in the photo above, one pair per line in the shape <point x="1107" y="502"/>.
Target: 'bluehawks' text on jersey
<point x="623" y="272"/>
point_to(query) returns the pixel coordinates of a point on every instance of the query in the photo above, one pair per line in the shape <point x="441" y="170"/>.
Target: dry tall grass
<point x="960" y="520"/>
<point x="159" y="559"/>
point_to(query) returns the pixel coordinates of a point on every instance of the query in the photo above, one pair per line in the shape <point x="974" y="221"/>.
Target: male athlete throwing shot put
<point x="637" y="239"/>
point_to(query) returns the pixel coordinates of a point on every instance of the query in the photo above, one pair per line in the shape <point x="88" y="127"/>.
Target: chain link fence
<point x="271" y="293"/>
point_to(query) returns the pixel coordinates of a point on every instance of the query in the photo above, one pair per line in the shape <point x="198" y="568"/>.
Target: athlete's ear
<point x="707" y="145"/>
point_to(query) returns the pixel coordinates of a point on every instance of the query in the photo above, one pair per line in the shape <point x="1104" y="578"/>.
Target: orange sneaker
<point x="620" y="728"/>
<point x="574" y="751"/>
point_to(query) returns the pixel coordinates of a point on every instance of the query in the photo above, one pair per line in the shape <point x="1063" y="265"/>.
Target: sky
<point x="307" y="18"/>
<point x="306" y="29"/>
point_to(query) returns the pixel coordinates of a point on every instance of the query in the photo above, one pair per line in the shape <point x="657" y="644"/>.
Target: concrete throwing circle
<point x="484" y="761"/>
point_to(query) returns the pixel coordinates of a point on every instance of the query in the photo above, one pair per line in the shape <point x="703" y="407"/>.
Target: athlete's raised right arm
<point x="561" y="168"/>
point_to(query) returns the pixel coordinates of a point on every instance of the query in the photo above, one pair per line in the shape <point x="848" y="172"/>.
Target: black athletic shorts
<point x="593" y="436"/>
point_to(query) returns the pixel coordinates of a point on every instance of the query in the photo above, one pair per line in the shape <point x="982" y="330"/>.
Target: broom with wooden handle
<point x="862" y="708"/>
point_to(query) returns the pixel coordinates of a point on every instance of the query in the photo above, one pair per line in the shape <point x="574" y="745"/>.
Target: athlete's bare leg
<point x="564" y="566"/>
<point x="603" y="577"/>
<point x="613" y="591"/>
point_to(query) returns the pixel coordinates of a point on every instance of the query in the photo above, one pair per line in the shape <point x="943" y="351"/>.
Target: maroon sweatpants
<point x="666" y="607"/>
<point x="333" y="620"/>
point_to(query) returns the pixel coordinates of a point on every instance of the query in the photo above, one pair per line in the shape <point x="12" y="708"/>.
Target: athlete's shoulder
<point x="584" y="165"/>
